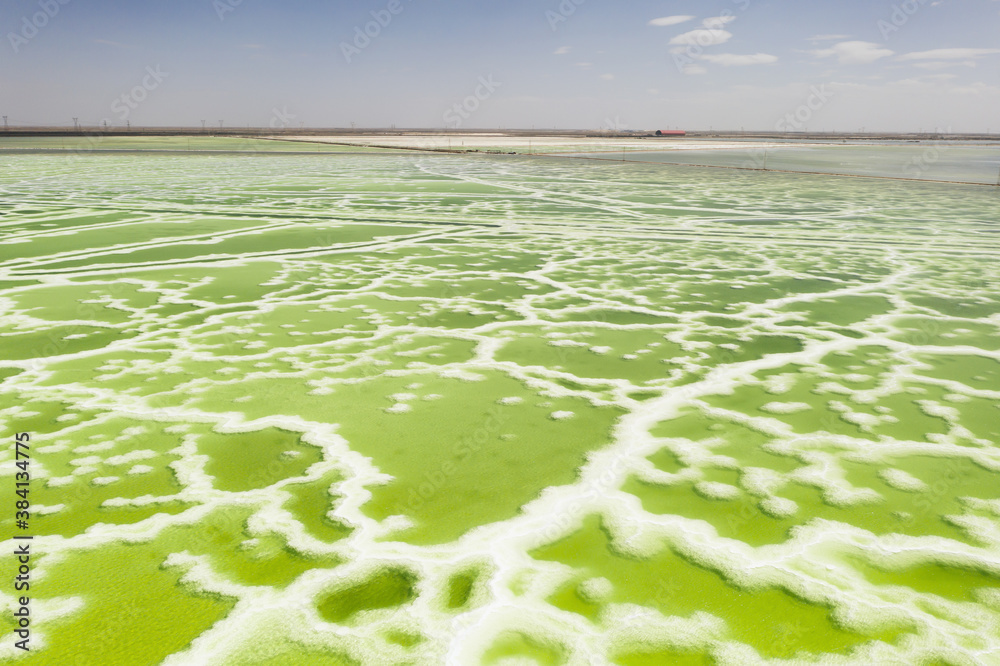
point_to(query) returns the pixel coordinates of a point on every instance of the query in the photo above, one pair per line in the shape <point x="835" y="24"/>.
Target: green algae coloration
<point x="346" y="406"/>
<point x="773" y="621"/>
<point x="384" y="589"/>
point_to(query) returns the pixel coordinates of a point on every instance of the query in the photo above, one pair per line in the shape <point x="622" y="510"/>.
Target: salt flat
<point x="431" y="408"/>
<point x="498" y="141"/>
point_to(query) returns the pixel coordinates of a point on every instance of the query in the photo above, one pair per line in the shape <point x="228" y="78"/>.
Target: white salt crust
<point x="807" y="564"/>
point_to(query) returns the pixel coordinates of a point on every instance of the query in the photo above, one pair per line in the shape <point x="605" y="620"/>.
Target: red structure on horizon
<point x="671" y="133"/>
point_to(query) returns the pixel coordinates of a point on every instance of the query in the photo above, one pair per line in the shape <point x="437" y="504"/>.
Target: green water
<point x="97" y="141"/>
<point x="926" y="160"/>
<point x="422" y="409"/>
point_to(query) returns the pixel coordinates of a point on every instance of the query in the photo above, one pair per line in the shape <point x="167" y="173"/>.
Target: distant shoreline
<point x="261" y="132"/>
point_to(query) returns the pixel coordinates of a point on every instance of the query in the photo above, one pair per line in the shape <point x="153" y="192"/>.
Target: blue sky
<point x="722" y="64"/>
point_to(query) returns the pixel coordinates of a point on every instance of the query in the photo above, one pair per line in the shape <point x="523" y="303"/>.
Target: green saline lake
<point x="949" y="161"/>
<point x="370" y="407"/>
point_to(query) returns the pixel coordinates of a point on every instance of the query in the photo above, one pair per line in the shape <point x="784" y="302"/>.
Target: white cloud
<point x="694" y="69"/>
<point x="924" y="81"/>
<point x="585" y="65"/>
<point x="935" y="65"/>
<point x="716" y="22"/>
<point x="977" y="88"/>
<point x="827" y="38"/>
<point x="948" y="54"/>
<point x="670" y="20"/>
<point x="733" y="60"/>
<point x="703" y="37"/>
<point x="608" y="77"/>
<point x="562" y="50"/>
<point x="854" y="53"/>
